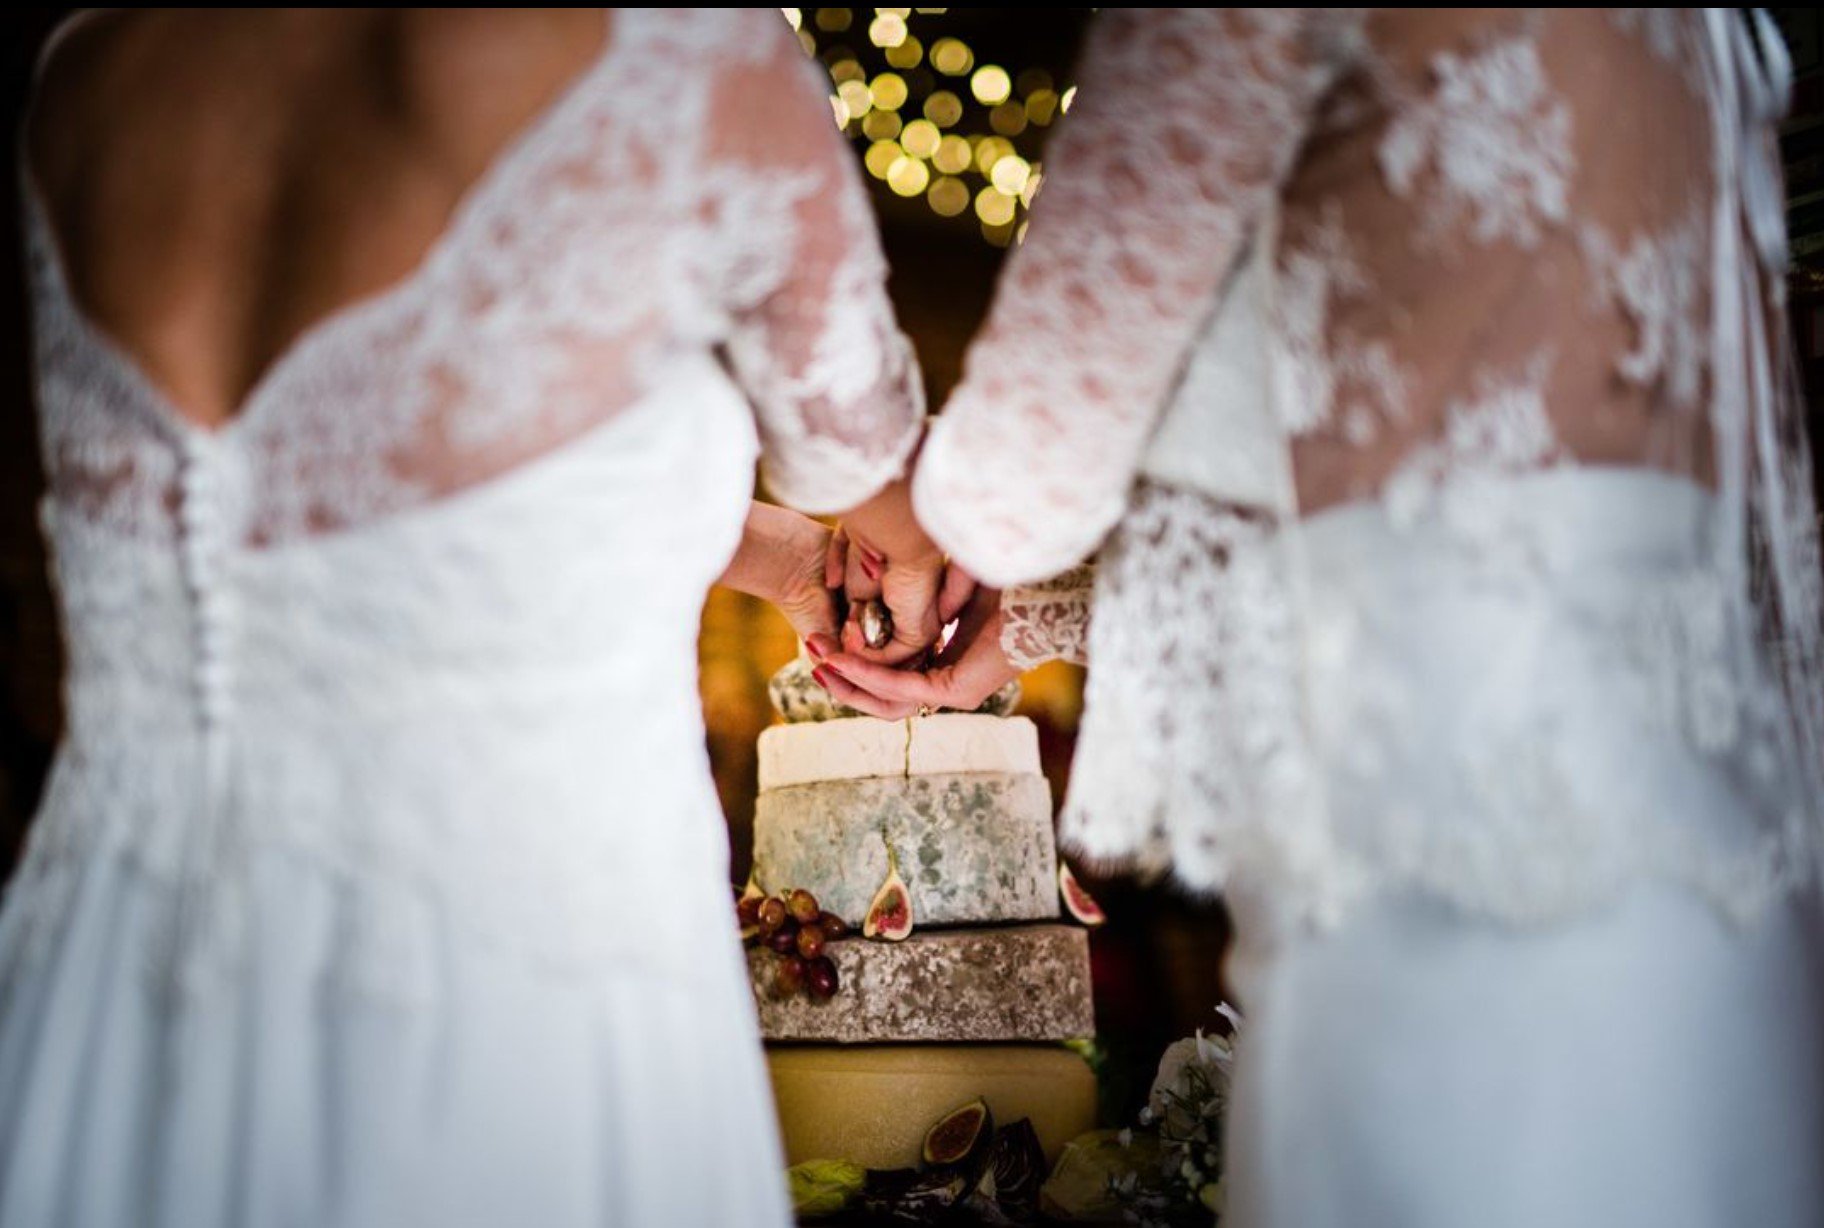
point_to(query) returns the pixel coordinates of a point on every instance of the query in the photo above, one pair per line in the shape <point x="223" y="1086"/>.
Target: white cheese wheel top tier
<point x="862" y="747"/>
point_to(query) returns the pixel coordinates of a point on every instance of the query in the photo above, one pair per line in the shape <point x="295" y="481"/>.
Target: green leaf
<point x="824" y="1187"/>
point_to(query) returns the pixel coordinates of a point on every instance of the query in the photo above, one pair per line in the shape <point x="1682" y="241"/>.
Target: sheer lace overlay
<point x="1048" y="621"/>
<point x="420" y="620"/>
<point x="608" y="236"/>
<point x="1030" y="387"/>
<point x="1517" y="255"/>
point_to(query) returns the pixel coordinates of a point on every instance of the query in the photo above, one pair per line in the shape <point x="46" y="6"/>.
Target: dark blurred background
<point x="949" y="110"/>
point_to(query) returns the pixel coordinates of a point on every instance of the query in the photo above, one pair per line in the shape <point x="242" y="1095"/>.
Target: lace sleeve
<point x="813" y="338"/>
<point x="1048" y="621"/>
<point x="1186" y="122"/>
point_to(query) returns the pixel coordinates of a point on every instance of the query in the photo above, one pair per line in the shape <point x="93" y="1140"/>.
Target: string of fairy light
<point x="937" y="124"/>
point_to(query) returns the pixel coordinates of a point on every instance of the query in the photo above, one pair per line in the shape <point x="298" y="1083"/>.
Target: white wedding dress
<point x="1464" y="629"/>
<point x="381" y="879"/>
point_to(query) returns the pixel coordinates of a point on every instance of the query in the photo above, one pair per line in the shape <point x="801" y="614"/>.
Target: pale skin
<point x="220" y="182"/>
<point x="966" y="671"/>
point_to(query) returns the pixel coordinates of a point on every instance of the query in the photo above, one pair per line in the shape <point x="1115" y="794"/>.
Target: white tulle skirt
<point x="626" y="1097"/>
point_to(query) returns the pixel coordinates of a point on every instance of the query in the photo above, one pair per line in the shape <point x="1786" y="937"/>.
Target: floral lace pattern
<point x="1170" y="776"/>
<point x="1324" y="374"/>
<point x="1497" y="138"/>
<point x="1507" y="357"/>
<point x="1063" y="400"/>
<point x="1505" y="431"/>
<point x="1657" y="282"/>
<point x="553" y="301"/>
<point x="1048" y="621"/>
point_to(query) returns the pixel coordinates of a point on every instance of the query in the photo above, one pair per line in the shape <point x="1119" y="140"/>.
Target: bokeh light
<point x="965" y="153"/>
<point x="948" y="196"/>
<point x="1031" y="81"/>
<point x="908" y="176"/>
<point x="994" y="206"/>
<point x="888" y="29"/>
<point x="921" y="138"/>
<point x="1008" y="119"/>
<point x="954" y="155"/>
<point x="881" y="156"/>
<point x="888" y="91"/>
<point x="943" y="108"/>
<point x="880" y="125"/>
<point x="907" y="54"/>
<point x="990" y="85"/>
<point x="1009" y="175"/>
<point x="1030" y="192"/>
<point x="988" y="151"/>
<point x="952" y="57"/>
<point x="855" y="98"/>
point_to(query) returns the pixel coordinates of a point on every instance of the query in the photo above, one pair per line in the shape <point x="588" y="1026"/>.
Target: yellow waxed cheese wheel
<point x="872" y="1104"/>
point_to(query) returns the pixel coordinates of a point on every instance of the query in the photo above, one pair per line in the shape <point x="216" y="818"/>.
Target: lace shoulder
<point x="814" y="341"/>
<point x="609" y="246"/>
<point x="1186" y="123"/>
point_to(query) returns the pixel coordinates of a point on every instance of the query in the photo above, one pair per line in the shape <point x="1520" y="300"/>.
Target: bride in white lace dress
<point x="1475" y="653"/>
<point x="385" y="365"/>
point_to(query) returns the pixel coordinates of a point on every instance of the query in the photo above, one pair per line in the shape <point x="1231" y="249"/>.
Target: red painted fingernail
<point x="815" y="652"/>
<point x="873" y="556"/>
<point x="818" y="676"/>
<point x="870" y="569"/>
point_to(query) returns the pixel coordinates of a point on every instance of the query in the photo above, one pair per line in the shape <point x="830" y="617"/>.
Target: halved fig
<point x="1081" y="904"/>
<point x="890" y="913"/>
<point x="747" y="910"/>
<point x="959" y="1134"/>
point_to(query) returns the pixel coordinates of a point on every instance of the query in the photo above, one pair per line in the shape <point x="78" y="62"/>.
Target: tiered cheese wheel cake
<point x="977" y="999"/>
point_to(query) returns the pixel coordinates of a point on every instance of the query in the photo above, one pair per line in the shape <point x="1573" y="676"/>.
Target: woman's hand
<point x="787" y="559"/>
<point x="969" y="668"/>
<point x="891" y="558"/>
<point x="921" y="593"/>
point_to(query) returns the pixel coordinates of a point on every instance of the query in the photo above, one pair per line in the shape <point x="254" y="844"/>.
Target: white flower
<point x="1193" y="1075"/>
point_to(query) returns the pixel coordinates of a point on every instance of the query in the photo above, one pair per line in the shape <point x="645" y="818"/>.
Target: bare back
<point x="220" y="181"/>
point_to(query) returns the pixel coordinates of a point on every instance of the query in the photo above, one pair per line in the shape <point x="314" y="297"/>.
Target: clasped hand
<point x="945" y="649"/>
<point x="946" y="646"/>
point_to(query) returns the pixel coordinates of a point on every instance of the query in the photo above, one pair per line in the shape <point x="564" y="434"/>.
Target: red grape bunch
<point x="793" y="926"/>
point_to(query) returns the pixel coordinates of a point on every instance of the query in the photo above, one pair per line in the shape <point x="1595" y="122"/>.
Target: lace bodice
<point x="422" y="616"/>
<point x="1503" y="243"/>
<point x="1468" y="203"/>
<point x="610" y="235"/>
